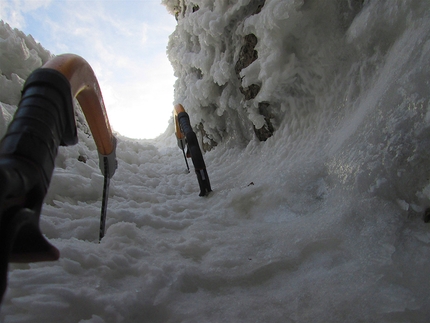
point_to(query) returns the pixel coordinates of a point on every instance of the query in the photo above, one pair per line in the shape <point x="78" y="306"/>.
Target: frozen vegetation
<point x="315" y="119"/>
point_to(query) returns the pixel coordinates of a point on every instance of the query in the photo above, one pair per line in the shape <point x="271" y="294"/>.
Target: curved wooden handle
<point x="86" y="90"/>
<point x="178" y="108"/>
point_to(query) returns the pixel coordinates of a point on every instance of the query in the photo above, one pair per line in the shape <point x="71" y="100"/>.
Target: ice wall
<point x="343" y="83"/>
<point x="19" y="56"/>
<point x="250" y="63"/>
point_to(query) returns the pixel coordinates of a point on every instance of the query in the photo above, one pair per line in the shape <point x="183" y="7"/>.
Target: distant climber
<point x="186" y="136"/>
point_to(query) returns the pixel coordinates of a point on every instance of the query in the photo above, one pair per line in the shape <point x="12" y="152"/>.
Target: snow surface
<point x="320" y="223"/>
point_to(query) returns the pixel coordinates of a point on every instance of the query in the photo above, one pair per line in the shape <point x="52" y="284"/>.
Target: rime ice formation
<point x="20" y="55"/>
<point x="244" y="65"/>
<point x="320" y="74"/>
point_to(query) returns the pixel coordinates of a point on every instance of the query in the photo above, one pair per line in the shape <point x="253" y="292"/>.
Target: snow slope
<point x="322" y="222"/>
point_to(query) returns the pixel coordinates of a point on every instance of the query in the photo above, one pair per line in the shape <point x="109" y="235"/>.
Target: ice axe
<point x="187" y="137"/>
<point x="45" y="120"/>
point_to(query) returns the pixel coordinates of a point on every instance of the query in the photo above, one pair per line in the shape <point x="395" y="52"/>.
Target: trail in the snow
<point x="265" y="245"/>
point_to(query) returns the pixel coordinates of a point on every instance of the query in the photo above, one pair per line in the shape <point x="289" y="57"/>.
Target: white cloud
<point x="13" y="11"/>
<point x="11" y="14"/>
<point x="144" y="33"/>
<point x="27" y="6"/>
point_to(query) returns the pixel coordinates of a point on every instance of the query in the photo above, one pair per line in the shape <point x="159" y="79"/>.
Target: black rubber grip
<point x="43" y="121"/>
<point x="193" y="144"/>
<point x="196" y="154"/>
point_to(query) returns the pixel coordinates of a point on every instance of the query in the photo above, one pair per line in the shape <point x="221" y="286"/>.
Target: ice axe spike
<point x="108" y="165"/>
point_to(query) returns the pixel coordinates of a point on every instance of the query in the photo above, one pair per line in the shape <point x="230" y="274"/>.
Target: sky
<point x="125" y="44"/>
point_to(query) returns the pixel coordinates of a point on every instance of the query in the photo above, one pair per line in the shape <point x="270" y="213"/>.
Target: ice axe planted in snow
<point x="187" y="137"/>
<point x="44" y="120"/>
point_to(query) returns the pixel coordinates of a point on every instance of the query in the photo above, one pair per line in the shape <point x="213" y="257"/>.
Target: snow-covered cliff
<point x="343" y="81"/>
